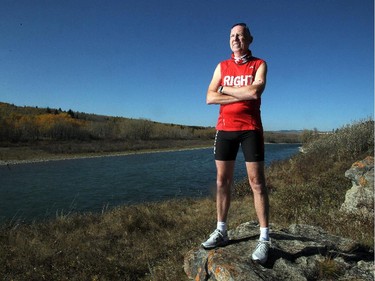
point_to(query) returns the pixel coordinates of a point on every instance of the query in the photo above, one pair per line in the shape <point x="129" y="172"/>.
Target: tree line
<point x="20" y="124"/>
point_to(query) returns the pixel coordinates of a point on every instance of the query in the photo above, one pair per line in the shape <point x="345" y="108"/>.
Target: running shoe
<point x="217" y="239"/>
<point x="260" y="253"/>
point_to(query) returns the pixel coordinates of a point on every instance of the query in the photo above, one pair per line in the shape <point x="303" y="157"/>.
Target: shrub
<point x="350" y="141"/>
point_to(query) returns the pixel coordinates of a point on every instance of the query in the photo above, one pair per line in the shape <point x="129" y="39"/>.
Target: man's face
<point x="239" y="42"/>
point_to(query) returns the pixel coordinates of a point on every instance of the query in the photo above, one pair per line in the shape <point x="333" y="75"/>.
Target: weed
<point x="329" y="269"/>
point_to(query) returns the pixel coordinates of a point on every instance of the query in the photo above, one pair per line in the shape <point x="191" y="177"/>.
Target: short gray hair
<point x="247" y="30"/>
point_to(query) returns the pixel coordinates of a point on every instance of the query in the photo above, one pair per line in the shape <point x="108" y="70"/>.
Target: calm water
<point x="41" y="190"/>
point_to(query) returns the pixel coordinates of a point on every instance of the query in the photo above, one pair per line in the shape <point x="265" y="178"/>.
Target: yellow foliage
<point x="48" y="121"/>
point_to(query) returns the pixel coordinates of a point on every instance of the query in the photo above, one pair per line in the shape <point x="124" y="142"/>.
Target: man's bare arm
<point x="250" y="92"/>
<point x="213" y="96"/>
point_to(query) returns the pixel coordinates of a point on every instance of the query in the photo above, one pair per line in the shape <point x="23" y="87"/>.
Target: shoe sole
<point x="259" y="261"/>
<point x="216" y="246"/>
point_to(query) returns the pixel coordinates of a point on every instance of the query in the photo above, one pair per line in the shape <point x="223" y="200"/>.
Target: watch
<point x="220" y="89"/>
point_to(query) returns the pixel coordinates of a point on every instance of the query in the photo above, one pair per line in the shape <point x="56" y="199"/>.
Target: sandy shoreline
<point x="89" y="156"/>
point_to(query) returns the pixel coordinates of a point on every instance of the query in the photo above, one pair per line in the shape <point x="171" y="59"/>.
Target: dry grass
<point x="143" y="242"/>
<point x="329" y="269"/>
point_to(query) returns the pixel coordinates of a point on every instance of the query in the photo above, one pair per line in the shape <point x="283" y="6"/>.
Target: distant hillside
<point x="30" y="124"/>
<point x="289" y="131"/>
<point x="33" y="123"/>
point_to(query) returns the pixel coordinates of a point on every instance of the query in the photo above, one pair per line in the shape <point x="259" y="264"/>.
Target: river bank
<point x="90" y="156"/>
<point x="148" y="241"/>
<point x="44" y="152"/>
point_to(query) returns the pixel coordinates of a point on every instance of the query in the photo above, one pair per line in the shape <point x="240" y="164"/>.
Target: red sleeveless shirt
<point x="242" y="115"/>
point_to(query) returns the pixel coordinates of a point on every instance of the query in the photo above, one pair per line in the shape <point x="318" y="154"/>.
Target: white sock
<point x="222" y="226"/>
<point x="264" y="234"/>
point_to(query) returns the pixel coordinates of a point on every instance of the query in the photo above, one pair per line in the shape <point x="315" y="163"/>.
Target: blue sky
<point x="155" y="59"/>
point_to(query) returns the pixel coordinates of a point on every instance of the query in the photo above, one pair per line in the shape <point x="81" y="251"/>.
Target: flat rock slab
<point x="300" y="252"/>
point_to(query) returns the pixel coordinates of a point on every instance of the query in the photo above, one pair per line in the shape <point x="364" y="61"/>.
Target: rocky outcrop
<point x="300" y="252"/>
<point x="359" y="200"/>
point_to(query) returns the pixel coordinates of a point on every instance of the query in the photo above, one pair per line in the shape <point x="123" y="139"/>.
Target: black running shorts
<point x="227" y="144"/>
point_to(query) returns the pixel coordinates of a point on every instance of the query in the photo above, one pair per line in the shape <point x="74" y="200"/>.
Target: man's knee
<point x="258" y="184"/>
<point x="223" y="183"/>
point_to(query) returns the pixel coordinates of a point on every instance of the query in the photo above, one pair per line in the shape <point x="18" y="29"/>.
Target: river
<point x="43" y="190"/>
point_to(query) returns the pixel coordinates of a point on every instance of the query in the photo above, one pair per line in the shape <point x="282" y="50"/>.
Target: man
<point x="237" y="85"/>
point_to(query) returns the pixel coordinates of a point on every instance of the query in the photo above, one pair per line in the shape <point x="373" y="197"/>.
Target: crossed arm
<point x="234" y="94"/>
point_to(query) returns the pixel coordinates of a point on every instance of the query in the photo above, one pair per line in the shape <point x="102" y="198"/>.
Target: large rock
<point x="359" y="200"/>
<point x="301" y="252"/>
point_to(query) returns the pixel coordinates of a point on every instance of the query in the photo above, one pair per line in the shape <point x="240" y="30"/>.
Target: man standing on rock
<point x="237" y="85"/>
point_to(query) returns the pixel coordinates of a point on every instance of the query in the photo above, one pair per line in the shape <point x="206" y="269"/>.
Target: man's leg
<point x="255" y="171"/>
<point x="224" y="181"/>
<point x="257" y="181"/>
<point x="223" y="191"/>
